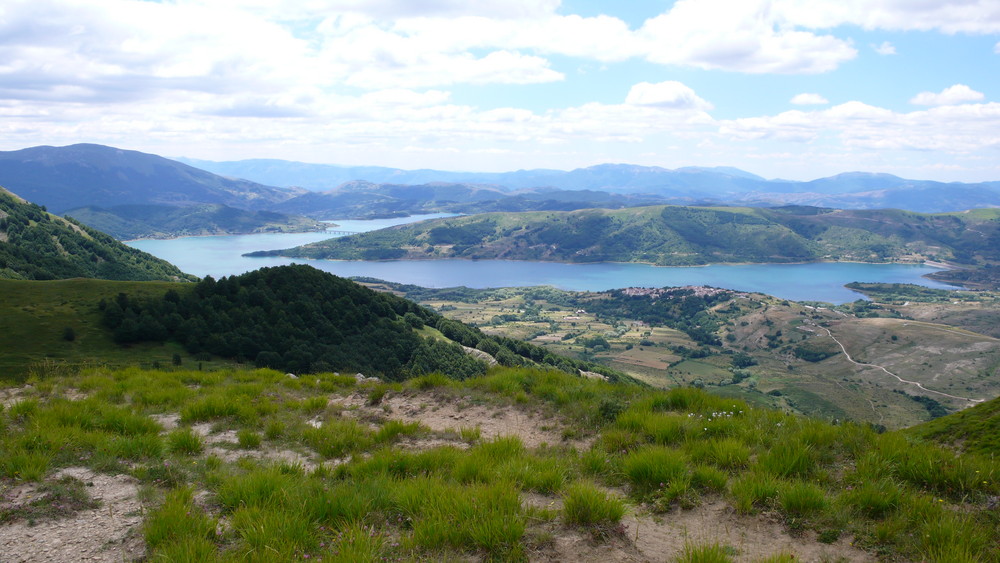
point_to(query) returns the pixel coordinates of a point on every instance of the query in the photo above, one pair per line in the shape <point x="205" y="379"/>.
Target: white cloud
<point x="745" y="36"/>
<point x="421" y="70"/>
<point x="996" y="48"/>
<point x="885" y="48"/>
<point x="809" y="99"/>
<point x="957" y="94"/>
<point x="949" y="129"/>
<point x="666" y="95"/>
<point x="948" y="16"/>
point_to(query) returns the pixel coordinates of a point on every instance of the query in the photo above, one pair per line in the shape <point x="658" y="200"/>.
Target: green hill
<point x="670" y="235"/>
<point x="974" y="430"/>
<point x="293" y="318"/>
<point x="36" y="245"/>
<point x="126" y="222"/>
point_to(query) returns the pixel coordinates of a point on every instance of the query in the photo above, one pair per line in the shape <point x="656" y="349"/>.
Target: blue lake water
<point x="222" y="256"/>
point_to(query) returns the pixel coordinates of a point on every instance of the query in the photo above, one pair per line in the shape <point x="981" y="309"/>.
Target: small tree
<point x="69" y="335"/>
<point x="176" y="359"/>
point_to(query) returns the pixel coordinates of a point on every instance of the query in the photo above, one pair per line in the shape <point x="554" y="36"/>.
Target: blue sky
<point x="795" y="89"/>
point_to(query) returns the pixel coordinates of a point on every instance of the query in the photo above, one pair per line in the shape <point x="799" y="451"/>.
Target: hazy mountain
<point x="37" y="245"/>
<point x="64" y="178"/>
<point x="854" y="190"/>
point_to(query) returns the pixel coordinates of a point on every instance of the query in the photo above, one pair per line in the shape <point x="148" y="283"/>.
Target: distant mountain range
<point x="134" y="194"/>
<point x="130" y="194"/>
<point x="852" y="190"/>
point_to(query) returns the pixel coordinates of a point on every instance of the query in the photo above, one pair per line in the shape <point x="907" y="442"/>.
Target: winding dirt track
<point x="900" y="379"/>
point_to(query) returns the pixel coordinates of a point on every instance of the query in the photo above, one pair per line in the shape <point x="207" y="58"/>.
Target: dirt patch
<point x="749" y="537"/>
<point x="169" y="421"/>
<point x="109" y="533"/>
<point x="443" y="414"/>
<point x="663" y="537"/>
<point x="10" y="396"/>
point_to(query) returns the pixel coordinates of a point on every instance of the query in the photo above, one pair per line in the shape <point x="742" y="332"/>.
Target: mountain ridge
<point x="63" y="178"/>
<point x="721" y="184"/>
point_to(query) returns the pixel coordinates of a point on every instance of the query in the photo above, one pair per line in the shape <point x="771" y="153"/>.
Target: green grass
<point x="178" y="521"/>
<point x="248" y="439"/>
<point x="653" y="468"/>
<point x="382" y="499"/>
<point x="36" y="313"/>
<point x="707" y="553"/>
<point x="586" y="504"/>
<point x="185" y="441"/>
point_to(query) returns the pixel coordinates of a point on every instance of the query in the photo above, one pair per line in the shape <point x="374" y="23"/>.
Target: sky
<point x="794" y="89"/>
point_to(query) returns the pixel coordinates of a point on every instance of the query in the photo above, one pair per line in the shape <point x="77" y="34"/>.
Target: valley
<point x="763" y="407"/>
<point x="768" y="351"/>
<point x="530" y="281"/>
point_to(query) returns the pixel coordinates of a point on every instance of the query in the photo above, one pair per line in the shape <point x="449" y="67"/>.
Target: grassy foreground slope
<point x="35" y="245"/>
<point x="974" y="430"/>
<point x="258" y="466"/>
<point x="671" y="235"/>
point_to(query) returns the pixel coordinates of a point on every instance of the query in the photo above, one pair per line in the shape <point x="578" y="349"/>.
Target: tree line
<point x="299" y="319"/>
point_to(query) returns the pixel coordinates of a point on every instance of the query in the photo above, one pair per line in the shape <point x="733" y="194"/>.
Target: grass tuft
<point x="587" y="505"/>
<point x="185" y="441"/>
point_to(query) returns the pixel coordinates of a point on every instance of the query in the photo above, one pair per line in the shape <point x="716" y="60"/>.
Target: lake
<point x="219" y="256"/>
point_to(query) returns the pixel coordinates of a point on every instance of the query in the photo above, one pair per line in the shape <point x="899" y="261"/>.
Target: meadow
<point x="237" y="465"/>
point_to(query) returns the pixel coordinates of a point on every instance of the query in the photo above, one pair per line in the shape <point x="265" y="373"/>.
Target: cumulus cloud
<point x="948" y="16"/>
<point x="949" y="129"/>
<point x="745" y="36"/>
<point x="666" y="95"/>
<point x="957" y="94"/>
<point x="809" y="99"/>
<point x="885" y="48"/>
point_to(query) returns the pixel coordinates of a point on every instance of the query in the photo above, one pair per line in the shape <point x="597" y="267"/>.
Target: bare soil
<point x="110" y="533"/>
<point x="646" y="538"/>
<point x="443" y="414"/>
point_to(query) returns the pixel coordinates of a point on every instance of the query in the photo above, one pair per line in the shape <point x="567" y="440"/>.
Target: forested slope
<point x="36" y="245"/>
<point x="300" y="319"/>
